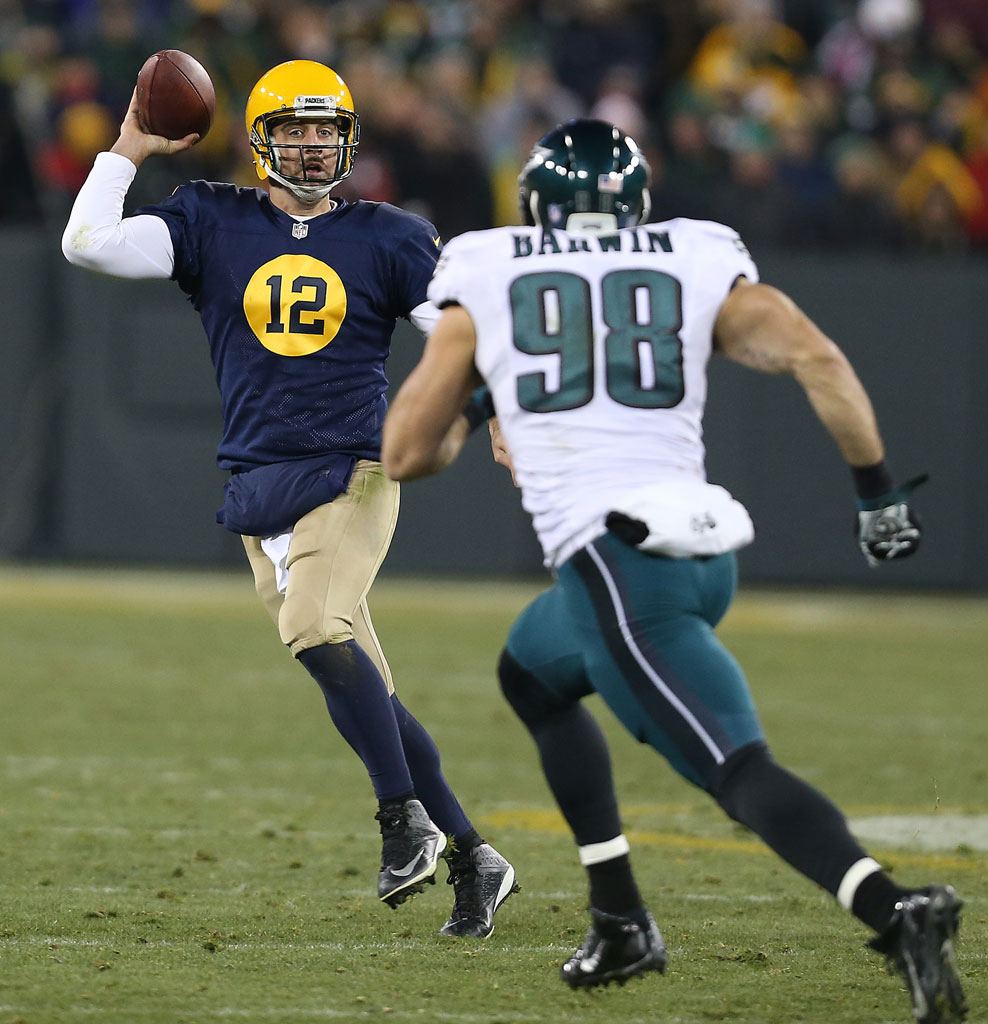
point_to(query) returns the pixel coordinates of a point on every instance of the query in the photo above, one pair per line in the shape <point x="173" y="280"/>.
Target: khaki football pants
<point x="334" y="556"/>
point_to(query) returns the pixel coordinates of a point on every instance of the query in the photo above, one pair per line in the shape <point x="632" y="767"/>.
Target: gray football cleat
<point x="482" y="880"/>
<point x="410" y="852"/>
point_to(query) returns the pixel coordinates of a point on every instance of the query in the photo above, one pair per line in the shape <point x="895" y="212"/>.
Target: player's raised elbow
<point x="79" y="246"/>
<point x="70" y="248"/>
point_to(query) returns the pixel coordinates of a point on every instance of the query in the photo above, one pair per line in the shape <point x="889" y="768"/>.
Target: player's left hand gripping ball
<point x="887" y="527"/>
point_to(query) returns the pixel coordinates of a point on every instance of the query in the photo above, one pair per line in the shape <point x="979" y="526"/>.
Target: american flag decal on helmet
<point x="613" y="183"/>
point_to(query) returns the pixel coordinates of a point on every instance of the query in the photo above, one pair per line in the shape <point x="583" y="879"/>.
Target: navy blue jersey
<point x="299" y="315"/>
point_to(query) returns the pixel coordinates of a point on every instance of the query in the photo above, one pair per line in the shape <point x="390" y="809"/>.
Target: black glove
<point x="887" y="527"/>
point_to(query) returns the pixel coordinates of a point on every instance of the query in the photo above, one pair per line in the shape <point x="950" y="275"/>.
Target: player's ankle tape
<point x="595" y="853"/>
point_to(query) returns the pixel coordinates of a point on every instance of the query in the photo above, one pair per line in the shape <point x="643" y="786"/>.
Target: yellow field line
<point x="551" y="822"/>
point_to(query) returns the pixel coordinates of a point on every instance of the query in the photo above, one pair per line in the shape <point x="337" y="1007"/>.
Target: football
<point x="175" y="95"/>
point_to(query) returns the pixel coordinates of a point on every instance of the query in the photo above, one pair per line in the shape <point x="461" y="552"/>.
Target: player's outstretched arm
<point x="762" y="328"/>
<point x="425" y="430"/>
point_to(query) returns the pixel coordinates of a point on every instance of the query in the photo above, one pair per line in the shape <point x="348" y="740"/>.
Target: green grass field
<point x="184" y="837"/>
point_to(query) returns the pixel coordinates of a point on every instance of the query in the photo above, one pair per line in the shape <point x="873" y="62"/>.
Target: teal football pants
<point x="639" y="630"/>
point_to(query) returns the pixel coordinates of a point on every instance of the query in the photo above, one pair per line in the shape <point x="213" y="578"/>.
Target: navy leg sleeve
<point x="360" y="707"/>
<point x="431" y="787"/>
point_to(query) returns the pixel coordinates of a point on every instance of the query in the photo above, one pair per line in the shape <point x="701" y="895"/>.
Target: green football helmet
<point x="585" y="175"/>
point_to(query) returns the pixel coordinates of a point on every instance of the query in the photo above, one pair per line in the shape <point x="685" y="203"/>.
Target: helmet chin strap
<point x="304" y="193"/>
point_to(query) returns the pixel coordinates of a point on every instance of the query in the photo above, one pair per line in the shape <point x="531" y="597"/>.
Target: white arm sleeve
<point x="424" y="316"/>
<point x="99" y="237"/>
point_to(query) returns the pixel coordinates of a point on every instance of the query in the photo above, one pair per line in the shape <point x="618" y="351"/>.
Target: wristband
<point x="479" y="408"/>
<point x="872" y="481"/>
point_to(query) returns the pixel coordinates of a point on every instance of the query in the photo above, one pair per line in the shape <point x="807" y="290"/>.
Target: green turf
<point x="184" y="838"/>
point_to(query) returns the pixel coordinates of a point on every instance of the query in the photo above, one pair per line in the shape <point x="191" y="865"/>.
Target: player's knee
<point x="531" y="701"/>
<point x="304" y="624"/>
<point x="750" y="766"/>
<point x="335" y="667"/>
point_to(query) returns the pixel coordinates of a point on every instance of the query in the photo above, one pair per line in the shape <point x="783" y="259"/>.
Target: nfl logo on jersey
<point x="299" y="230"/>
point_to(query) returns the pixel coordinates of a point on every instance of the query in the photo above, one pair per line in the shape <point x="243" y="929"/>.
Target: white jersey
<point x="595" y="348"/>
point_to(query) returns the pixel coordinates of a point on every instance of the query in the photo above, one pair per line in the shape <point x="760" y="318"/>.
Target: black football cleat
<point x="482" y="880"/>
<point x="616" y="948"/>
<point x="410" y="852"/>
<point x="919" y="945"/>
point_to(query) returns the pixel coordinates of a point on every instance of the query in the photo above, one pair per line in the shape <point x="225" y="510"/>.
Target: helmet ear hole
<point x="260" y="149"/>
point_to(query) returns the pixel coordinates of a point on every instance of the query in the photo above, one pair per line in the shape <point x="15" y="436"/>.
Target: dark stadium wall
<point x="29" y="383"/>
<point x="110" y="420"/>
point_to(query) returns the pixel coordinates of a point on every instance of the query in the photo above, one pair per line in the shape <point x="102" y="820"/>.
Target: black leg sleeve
<point x="574" y="754"/>
<point x="797" y="821"/>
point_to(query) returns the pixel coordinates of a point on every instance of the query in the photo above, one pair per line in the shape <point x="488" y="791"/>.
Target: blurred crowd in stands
<point x="844" y="124"/>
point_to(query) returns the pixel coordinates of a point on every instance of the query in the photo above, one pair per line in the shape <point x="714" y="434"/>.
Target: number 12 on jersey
<point x="552" y="314"/>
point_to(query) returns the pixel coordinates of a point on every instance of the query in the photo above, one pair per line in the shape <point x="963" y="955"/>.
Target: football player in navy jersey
<point x="299" y="294"/>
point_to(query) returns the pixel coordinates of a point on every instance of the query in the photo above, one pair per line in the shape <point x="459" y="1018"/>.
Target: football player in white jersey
<point x="592" y="330"/>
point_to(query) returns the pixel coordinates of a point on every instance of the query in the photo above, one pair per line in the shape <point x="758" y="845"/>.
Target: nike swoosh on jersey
<point x="407" y="869"/>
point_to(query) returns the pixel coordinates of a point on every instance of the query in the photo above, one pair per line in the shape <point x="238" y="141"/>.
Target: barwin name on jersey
<point x="624" y="241"/>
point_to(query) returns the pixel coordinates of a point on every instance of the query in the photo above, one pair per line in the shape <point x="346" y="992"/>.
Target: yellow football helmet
<point x="296" y="90"/>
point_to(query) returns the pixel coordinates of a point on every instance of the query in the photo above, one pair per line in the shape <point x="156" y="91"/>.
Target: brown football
<point x="175" y="96"/>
